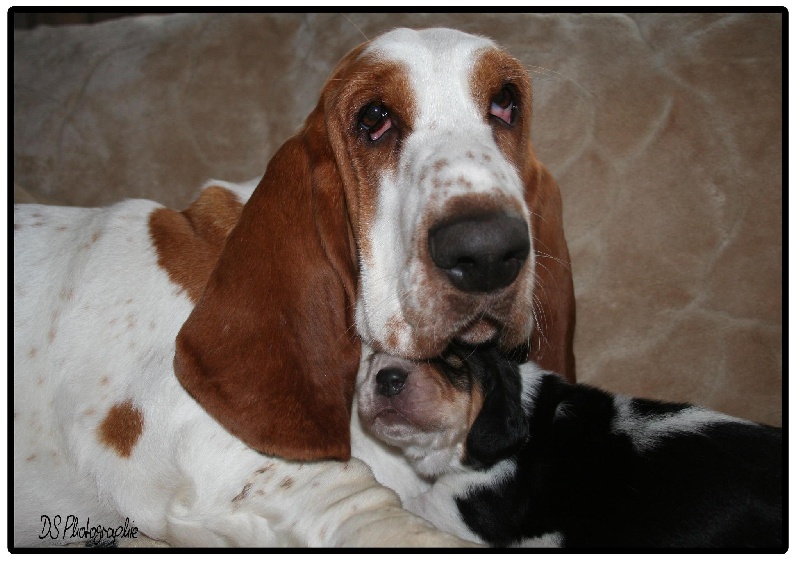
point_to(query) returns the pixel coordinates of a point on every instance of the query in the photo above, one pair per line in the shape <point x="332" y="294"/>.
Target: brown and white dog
<point x="169" y="366"/>
<point x="508" y="454"/>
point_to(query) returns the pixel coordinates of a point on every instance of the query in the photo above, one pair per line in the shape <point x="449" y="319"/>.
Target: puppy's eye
<point x="375" y="120"/>
<point x="503" y="106"/>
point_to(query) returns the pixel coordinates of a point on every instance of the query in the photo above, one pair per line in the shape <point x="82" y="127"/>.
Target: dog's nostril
<point x="480" y="253"/>
<point x="390" y="381"/>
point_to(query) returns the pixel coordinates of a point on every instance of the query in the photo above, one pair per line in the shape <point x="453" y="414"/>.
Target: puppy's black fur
<point x="716" y="484"/>
<point x="501" y="426"/>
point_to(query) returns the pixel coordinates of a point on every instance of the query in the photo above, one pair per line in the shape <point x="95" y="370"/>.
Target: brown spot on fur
<point x="188" y="243"/>
<point x="95" y="237"/>
<point x="463" y="181"/>
<point x="121" y="428"/>
<point x="287" y="482"/>
<point x="32" y="353"/>
<point x="242" y="495"/>
<point x="104" y="380"/>
<point x="30" y="458"/>
<point x="394" y="326"/>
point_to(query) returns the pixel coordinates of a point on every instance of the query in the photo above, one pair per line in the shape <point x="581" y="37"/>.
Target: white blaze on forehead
<point x="439" y="64"/>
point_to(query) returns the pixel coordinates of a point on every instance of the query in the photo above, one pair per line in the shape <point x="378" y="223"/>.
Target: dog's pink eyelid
<point x="375" y="135"/>
<point x="502" y="106"/>
<point x="502" y="113"/>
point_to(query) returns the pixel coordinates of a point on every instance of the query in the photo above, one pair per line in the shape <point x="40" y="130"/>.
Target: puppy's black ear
<point x="501" y="426"/>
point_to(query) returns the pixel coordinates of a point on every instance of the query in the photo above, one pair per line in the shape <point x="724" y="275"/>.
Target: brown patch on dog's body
<point x="121" y="428"/>
<point x="188" y="243"/>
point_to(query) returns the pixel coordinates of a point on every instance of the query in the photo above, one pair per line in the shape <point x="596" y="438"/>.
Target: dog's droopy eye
<point x="503" y="106"/>
<point x="375" y="120"/>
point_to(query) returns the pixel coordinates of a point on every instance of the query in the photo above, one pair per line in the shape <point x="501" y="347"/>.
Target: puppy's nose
<point x="480" y="253"/>
<point x="390" y="381"/>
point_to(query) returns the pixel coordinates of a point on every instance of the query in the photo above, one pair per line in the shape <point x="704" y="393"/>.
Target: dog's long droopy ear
<point x="269" y="349"/>
<point x="554" y="297"/>
<point x="501" y="425"/>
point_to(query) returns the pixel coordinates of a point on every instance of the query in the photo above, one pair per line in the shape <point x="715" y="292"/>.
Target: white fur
<point x="646" y="432"/>
<point x="95" y="321"/>
<point x="552" y="540"/>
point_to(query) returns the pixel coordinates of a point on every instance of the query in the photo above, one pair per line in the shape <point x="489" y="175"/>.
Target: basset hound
<point x="190" y="375"/>
<point x="512" y="455"/>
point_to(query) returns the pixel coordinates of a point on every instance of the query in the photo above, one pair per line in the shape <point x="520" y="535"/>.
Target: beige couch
<point x="664" y="132"/>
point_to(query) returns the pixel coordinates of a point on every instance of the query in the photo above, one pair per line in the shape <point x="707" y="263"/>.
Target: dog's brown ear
<point x="269" y="349"/>
<point x="554" y="297"/>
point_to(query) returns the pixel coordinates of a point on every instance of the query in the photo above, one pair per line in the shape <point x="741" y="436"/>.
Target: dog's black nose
<point x="480" y="253"/>
<point x="390" y="381"/>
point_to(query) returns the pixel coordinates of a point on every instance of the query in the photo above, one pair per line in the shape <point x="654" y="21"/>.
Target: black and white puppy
<point x="506" y="454"/>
